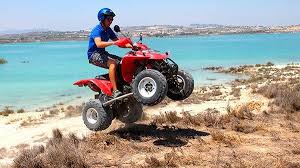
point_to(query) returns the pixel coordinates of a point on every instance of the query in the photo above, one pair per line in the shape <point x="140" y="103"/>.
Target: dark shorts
<point x="100" y="59"/>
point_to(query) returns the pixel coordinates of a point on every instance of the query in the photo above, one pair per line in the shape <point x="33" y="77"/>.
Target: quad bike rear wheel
<point x="149" y="87"/>
<point x="130" y="111"/>
<point x="181" y="87"/>
<point x="95" y="116"/>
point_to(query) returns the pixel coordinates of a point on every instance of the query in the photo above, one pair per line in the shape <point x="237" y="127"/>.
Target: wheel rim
<point x="180" y="85"/>
<point x="92" y="115"/>
<point x="147" y="87"/>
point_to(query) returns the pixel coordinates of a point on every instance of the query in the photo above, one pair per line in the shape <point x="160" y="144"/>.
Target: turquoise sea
<point x="43" y="72"/>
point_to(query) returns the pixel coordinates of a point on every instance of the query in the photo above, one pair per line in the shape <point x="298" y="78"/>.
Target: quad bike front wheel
<point x="149" y="87"/>
<point x="130" y="111"/>
<point x="95" y="116"/>
<point x="181" y="87"/>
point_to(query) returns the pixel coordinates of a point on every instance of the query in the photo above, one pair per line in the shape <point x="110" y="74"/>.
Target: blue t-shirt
<point x="105" y="35"/>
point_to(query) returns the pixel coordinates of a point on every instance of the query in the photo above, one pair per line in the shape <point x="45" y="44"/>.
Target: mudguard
<point x="129" y="65"/>
<point x="96" y="85"/>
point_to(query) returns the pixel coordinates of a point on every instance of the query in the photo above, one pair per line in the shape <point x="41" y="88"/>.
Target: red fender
<point x="96" y="85"/>
<point x="128" y="67"/>
<point x="141" y="46"/>
<point x="157" y="56"/>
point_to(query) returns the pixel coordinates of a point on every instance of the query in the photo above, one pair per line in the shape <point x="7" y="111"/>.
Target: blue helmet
<point x="104" y="12"/>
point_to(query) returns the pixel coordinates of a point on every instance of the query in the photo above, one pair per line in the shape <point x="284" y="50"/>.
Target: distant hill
<point x="38" y="35"/>
<point x="21" y="31"/>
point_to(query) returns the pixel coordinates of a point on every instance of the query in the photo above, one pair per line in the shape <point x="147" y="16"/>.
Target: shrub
<point x="21" y="111"/>
<point x="3" y="61"/>
<point x="219" y="136"/>
<point x="285" y="96"/>
<point x="59" y="152"/>
<point x="6" y="111"/>
<point x="29" y="158"/>
<point x="242" y="112"/>
<point x="269" y="64"/>
<point x="73" y="111"/>
<point x="167" y="117"/>
<point x="236" y="92"/>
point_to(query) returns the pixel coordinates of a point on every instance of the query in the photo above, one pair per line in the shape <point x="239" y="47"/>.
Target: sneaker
<point x="116" y="93"/>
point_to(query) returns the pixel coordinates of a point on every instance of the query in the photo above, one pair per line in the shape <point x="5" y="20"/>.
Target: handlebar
<point x="136" y="46"/>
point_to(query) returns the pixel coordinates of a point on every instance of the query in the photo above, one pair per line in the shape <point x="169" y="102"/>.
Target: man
<point x="99" y="40"/>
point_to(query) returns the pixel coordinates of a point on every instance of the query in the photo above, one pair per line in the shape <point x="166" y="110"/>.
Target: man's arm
<point x="102" y="44"/>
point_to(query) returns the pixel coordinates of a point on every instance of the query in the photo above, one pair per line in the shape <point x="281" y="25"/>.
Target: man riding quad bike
<point x="142" y="77"/>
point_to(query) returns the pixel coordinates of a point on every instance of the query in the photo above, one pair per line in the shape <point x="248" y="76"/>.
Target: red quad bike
<point x="144" y="76"/>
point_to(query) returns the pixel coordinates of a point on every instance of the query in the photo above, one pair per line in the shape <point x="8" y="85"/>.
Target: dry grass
<point x="50" y="114"/>
<point x="136" y="145"/>
<point x="213" y="118"/>
<point x="188" y="119"/>
<point x="236" y="92"/>
<point x="54" y="112"/>
<point x="210" y="118"/>
<point x="3" y="151"/>
<point x="296" y="150"/>
<point x="219" y="68"/>
<point x="254" y="88"/>
<point x="195" y="98"/>
<point x="31" y="122"/>
<point x="59" y="152"/>
<point x="203" y="94"/>
<point x="216" y="92"/>
<point x="285" y="96"/>
<point x="22" y="146"/>
<point x="6" y="112"/>
<point x="240" y="119"/>
<point x="60" y="103"/>
<point x="73" y="111"/>
<point x="220" y="136"/>
<point x="46" y="115"/>
<point x="242" y="112"/>
<point x="167" y="118"/>
<point x="144" y="117"/>
<point x="29" y="158"/>
<point x="21" y="111"/>
<point x="170" y="159"/>
<point x="272" y="91"/>
<point x="246" y="127"/>
<point x="292" y="127"/>
<point x="269" y="64"/>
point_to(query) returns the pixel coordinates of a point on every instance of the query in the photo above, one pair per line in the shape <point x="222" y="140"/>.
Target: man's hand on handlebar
<point x="128" y="45"/>
<point x="123" y="43"/>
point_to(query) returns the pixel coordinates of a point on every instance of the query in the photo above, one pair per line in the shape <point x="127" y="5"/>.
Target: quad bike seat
<point x="103" y="77"/>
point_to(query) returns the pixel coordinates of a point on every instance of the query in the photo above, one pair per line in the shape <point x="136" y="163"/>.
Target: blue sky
<point x="80" y="14"/>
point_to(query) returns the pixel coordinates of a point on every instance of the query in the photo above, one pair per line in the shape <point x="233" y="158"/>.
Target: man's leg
<point x="112" y="66"/>
<point x="106" y="60"/>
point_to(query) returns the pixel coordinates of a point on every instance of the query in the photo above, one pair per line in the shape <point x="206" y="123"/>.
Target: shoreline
<point x="169" y="36"/>
<point x="79" y="97"/>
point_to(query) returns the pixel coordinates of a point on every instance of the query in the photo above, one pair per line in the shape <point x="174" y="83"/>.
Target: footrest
<point x="115" y="99"/>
